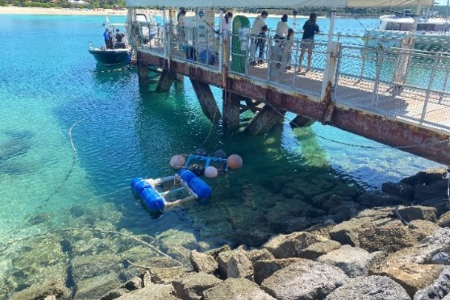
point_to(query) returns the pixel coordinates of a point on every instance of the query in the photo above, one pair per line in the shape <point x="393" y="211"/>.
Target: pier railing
<point x="392" y="82"/>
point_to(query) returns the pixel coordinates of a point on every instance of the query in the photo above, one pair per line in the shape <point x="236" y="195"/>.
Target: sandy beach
<point x="15" y="10"/>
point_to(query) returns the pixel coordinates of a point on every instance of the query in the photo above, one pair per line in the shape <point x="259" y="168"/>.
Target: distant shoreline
<point x="15" y="10"/>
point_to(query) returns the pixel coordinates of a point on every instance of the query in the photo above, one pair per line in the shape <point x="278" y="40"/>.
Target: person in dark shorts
<point x="310" y="28"/>
<point x="119" y="40"/>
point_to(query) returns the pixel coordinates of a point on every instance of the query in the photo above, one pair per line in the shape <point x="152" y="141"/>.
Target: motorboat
<point x="431" y="33"/>
<point x="144" y="27"/>
<point x="118" y="52"/>
<point x="111" y="56"/>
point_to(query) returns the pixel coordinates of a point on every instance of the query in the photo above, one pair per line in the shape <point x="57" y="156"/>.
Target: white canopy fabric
<point x="274" y="4"/>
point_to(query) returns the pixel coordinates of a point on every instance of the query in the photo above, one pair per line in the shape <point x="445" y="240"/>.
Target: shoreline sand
<point x="16" y="10"/>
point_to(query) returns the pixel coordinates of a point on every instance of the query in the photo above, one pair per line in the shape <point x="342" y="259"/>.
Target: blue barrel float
<point x="155" y="201"/>
<point x="151" y="198"/>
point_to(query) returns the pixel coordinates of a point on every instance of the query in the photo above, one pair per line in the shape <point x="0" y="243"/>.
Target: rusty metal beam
<point x="416" y="140"/>
<point x="206" y="100"/>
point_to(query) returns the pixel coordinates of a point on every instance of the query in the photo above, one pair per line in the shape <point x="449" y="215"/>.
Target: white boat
<point x="432" y="33"/>
<point x="119" y="52"/>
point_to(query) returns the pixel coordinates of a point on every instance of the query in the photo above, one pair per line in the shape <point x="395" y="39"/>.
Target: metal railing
<point x="392" y="82"/>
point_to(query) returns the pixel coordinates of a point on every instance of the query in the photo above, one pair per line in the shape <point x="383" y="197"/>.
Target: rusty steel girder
<point x="413" y="139"/>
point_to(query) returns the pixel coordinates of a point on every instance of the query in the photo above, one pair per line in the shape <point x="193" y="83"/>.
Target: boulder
<point x="438" y="289"/>
<point x="259" y="254"/>
<point x="317" y="249"/>
<point x="304" y="280"/>
<point x="134" y="283"/>
<point x="444" y="220"/>
<point x="377" y="230"/>
<point x="152" y="292"/>
<point x="239" y="266"/>
<point x="370" y="288"/>
<point x="114" y="294"/>
<point x="54" y="287"/>
<point x="426" y="177"/>
<point x="417" y="212"/>
<point x="410" y="275"/>
<point x="265" y="268"/>
<point x="203" y="262"/>
<point x="353" y="261"/>
<point x="285" y="246"/>
<point x="377" y="199"/>
<point x="236" y="288"/>
<point x="434" y="189"/>
<point x="97" y="286"/>
<point x="192" y="286"/>
<point x="399" y="189"/>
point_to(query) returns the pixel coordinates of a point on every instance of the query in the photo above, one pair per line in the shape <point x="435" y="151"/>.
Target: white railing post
<point x="380" y="58"/>
<point x="221" y="40"/>
<point x="165" y="41"/>
<point x="430" y="85"/>
<point x="329" y="70"/>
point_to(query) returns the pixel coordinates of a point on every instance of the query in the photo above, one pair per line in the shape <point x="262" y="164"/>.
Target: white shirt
<point x="226" y="26"/>
<point x="257" y="25"/>
<point x="282" y="29"/>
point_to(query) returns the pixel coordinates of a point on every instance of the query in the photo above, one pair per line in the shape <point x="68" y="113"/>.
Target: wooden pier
<point x="369" y="101"/>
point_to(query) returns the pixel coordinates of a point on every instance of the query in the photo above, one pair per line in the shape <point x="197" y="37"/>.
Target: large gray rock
<point x="318" y="249"/>
<point x="436" y="243"/>
<point x="239" y="266"/>
<point x="353" y="261"/>
<point x="304" y="280"/>
<point x="152" y="292"/>
<point x="399" y="189"/>
<point x="97" y="286"/>
<point x="265" y="268"/>
<point x="259" y="254"/>
<point x="417" y="212"/>
<point x="444" y="220"/>
<point x="284" y="246"/>
<point x="203" y="262"/>
<point x="192" y="286"/>
<point x="426" y="177"/>
<point x="370" y="288"/>
<point x="236" y="288"/>
<point x="378" y="230"/>
<point x="438" y="290"/>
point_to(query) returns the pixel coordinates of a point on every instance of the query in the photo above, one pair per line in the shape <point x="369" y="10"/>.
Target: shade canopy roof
<point x="274" y="4"/>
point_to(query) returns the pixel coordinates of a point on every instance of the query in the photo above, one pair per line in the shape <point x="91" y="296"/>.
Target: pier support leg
<point x="231" y="109"/>
<point x="301" y="121"/>
<point x="168" y="76"/>
<point x="143" y="74"/>
<point x="264" y="120"/>
<point x="206" y="99"/>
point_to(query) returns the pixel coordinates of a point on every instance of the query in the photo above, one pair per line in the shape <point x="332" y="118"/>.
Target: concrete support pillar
<point x="143" y="74"/>
<point x="264" y="120"/>
<point x="206" y="99"/>
<point x="165" y="81"/>
<point x="231" y="109"/>
<point x="301" y="121"/>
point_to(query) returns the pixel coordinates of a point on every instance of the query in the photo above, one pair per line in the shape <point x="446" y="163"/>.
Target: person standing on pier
<point x="282" y="29"/>
<point x="258" y="36"/>
<point x="310" y="28"/>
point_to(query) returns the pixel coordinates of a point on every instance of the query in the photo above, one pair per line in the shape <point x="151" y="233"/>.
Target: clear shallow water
<point x="50" y="84"/>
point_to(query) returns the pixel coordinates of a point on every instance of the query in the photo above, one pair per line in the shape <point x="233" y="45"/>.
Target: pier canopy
<point x="273" y="4"/>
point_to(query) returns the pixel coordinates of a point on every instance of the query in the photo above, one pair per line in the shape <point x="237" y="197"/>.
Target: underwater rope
<point x="180" y="265"/>
<point x="74" y="161"/>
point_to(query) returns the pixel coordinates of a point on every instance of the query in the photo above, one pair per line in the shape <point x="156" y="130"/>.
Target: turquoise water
<point x="50" y="86"/>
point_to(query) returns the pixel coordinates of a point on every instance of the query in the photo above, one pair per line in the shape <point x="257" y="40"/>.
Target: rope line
<point x="45" y="234"/>
<point x="74" y="161"/>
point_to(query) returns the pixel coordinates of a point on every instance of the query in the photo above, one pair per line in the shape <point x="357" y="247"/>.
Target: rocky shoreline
<point x="393" y="244"/>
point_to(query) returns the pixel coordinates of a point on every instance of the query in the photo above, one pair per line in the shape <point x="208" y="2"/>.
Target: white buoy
<point x="211" y="172"/>
<point x="177" y="161"/>
<point x="234" y="161"/>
